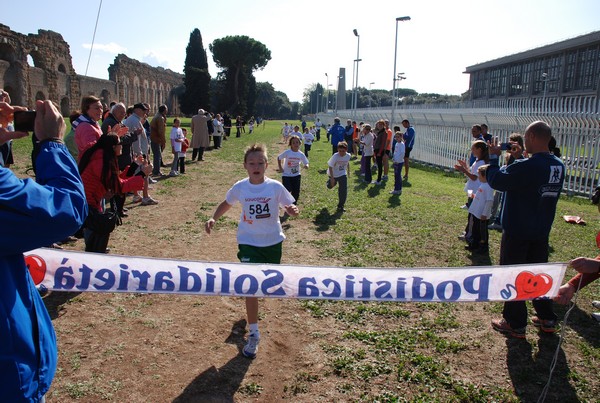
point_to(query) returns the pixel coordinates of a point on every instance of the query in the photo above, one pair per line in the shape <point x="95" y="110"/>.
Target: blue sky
<point x="312" y="37"/>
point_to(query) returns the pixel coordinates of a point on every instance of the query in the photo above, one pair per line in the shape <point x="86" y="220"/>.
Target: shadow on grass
<point x="529" y="372"/>
<point x="325" y="219"/>
<point x="581" y="322"/>
<point x="480" y="257"/>
<point x="394" y="201"/>
<point x="220" y="384"/>
<point x="54" y="301"/>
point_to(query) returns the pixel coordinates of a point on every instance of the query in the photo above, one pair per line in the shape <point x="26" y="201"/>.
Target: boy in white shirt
<point x="177" y="139"/>
<point x="479" y="214"/>
<point x="339" y="170"/>
<point x="259" y="233"/>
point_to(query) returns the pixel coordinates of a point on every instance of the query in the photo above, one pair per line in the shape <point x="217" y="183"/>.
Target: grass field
<point x="417" y="352"/>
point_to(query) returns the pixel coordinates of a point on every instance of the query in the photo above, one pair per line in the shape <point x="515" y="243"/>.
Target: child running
<point x="289" y="163"/>
<point x="259" y="233"/>
<point x="309" y="137"/>
<point x="339" y="170"/>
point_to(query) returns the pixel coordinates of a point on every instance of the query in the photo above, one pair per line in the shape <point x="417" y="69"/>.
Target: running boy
<point x="259" y="233"/>
<point x="339" y="170"/>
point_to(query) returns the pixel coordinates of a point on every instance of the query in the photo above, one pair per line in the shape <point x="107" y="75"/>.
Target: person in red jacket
<point x="99" y="171"/>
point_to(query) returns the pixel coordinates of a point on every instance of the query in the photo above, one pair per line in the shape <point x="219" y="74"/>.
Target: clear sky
<point x="309" y="38"/>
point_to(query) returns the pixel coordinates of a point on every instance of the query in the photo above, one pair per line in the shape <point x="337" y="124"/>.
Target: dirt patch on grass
<point x="139" y="348"/>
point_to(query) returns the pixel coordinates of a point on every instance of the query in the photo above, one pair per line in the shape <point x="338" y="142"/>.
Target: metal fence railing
<point x="443" y="133"/>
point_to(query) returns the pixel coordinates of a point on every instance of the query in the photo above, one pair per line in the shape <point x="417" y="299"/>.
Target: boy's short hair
<point x="342" y="144"/>
<point x="255" y="148"/>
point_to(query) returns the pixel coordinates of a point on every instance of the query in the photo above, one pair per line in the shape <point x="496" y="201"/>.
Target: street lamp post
<point x="337" y="94"/>
<point x="328" y="93"/>
<point x="398" y="19"/>
<point x="355" y="94"/>
<point x="327" y="89"/>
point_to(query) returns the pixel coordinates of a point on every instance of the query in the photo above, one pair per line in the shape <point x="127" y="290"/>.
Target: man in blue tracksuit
<point x="336" y="132"/>
<point x="33" y="214"/>
<point x="531" y="189"/>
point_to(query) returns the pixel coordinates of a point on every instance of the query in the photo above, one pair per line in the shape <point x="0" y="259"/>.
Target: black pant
<point x="519" y="251"/>
<point x="477" y="231"/>
<point x="217" y="140"/>
<point x="292" y="184"/>
<point x="199" y="152"/>
<point x="368" y="173"/>
<point x="342" y="182"/>
<point x="379" y="160"/>
<point x="307" y="148"/>
<point x="318" y="134"/>
<point x="182" y="165"/>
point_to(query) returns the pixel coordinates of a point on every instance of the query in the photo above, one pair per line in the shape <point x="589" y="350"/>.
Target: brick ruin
<point x="53" y="77"/>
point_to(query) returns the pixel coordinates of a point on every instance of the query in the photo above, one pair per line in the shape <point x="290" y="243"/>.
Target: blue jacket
<point x="33" y="214"/>
<point x="532" y="187"/>
<point x="337" y="133"/>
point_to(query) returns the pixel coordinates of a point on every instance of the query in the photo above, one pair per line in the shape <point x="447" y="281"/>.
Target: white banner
<point x="63" y="270"/>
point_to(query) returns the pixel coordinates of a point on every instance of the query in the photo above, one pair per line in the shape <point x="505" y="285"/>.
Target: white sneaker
<point x="596" y="304"/>
<point x="148" y="201"/>
<point x="464" y="207"/>
<point x="173" y="173"/>
<point x="151" y="180"/>
<point x="251" y="347"/>
<point x="596" y="315"/>
<point x="137" y="198"/>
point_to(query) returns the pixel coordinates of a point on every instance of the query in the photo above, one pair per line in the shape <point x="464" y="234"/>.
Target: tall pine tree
<point x="196" y="76"/>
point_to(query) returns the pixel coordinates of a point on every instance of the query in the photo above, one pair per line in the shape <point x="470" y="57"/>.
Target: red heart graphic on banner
<point x="531" y="285"/>
<point x="37" y="268"/>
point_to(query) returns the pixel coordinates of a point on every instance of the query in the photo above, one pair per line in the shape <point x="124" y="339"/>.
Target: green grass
<point x="389" y="352"/>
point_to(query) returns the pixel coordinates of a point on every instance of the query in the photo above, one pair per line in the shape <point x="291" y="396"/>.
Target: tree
<point x="239" y="57"/>
<point x="196" y="76"/>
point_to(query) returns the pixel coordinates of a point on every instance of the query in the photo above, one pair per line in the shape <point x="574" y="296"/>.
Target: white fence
<point x="443" y="133"/>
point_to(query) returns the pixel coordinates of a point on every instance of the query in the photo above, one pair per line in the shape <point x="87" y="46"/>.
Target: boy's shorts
<point x="260" y="254"/>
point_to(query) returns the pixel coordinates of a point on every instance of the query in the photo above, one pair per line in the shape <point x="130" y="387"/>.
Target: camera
<point x="506" y="146"/>
<point x="24" y="121"/>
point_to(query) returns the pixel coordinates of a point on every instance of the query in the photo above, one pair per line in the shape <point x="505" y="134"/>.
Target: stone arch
<point x="105" y="97"/>
<point x="40" y="96"/>
<point x="7" y="52"/>
<point x="61" y="68"/>
<point x="136" y="90"/>
<point x="146" y="96"/>
<point x="65" y="106"/>
<point x="161" y="94"/>
<point x="124" y="82"/>
<point x="38" y="59"/>
<point x="154" y="95"/>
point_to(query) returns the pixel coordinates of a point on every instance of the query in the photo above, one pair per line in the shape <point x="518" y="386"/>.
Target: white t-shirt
<point x="368" y="146"/>
<point x="399" y="152"/>
<point x="483" y="201"/>
<point x="291" y="161"/>
<point x="176" y="134"/>
<point x="259" y="221"/>
<point x="339" y="164"/>
<point x="308" y="138"/>
<point x="471" y="184"/>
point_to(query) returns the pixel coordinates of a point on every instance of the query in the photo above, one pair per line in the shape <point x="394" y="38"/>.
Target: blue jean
<point x="398" y="176"/>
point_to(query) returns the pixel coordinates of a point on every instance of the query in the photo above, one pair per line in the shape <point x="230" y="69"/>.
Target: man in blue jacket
<point x="336" y="132"/>
<point x="33" y="214"/>
<point x="531" y="189"/>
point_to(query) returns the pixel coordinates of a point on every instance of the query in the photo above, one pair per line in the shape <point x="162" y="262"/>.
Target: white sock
<point x="253" y="328"/>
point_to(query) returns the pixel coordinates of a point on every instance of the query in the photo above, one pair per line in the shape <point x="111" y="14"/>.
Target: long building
<point x="562" y="69"/>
